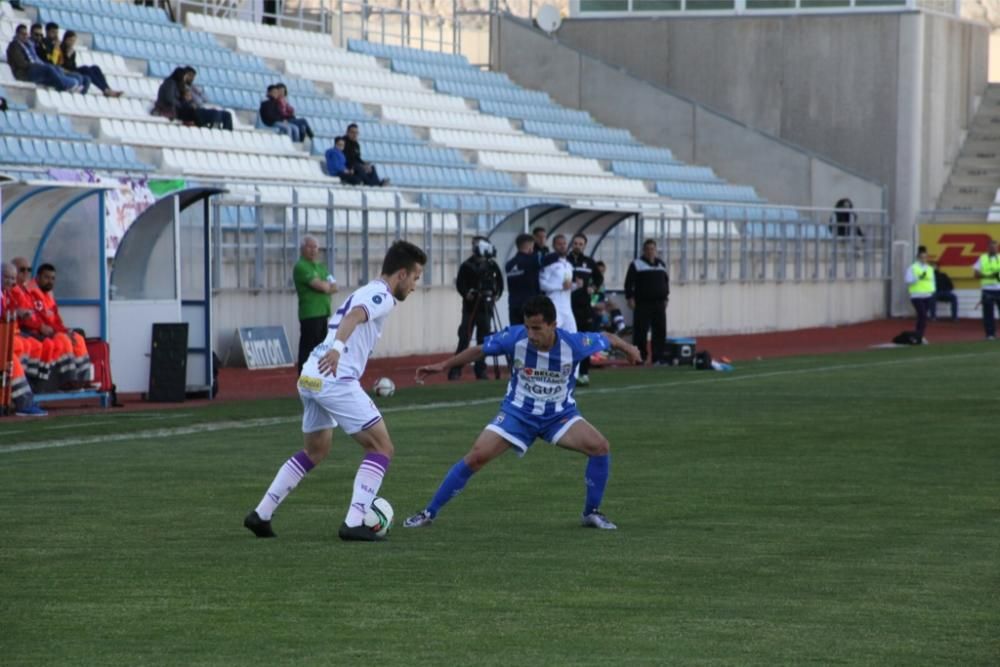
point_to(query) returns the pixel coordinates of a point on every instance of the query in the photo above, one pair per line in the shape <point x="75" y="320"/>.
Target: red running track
<point x="238" y="384"/>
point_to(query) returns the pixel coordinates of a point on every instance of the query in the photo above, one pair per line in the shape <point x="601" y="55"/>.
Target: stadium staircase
<point x="975" y="176"/>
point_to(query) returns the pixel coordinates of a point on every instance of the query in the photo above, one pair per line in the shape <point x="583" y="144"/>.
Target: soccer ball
<point x="379" y="516"/>
<point x="384" y="387"/>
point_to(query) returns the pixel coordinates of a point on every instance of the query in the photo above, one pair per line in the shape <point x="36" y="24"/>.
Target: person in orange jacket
<point x="33" y="356"/>
<point x="74" y="361"/>
<point x="21" y="394"/>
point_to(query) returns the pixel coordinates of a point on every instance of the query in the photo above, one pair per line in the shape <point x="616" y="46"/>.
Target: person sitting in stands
<point x="179" y="99"/>
<point x="352" y="151"/>
<point x="336" y="164"/>
<point x="26" y="65"/>
<point x="38" y="40"/>
<point x="276" y="111"/>
<point x="48" y="44"/>
<point x="52" y="325"/>
<point x="64" y="55"/>
<point x="944" y="290"/>
<point x="20" y="390"/>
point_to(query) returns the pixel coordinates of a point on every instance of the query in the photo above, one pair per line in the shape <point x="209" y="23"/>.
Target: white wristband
<point x="339" y="346"/>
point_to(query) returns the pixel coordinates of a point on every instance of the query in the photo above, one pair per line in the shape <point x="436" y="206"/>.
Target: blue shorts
<point x="520" y="430"/>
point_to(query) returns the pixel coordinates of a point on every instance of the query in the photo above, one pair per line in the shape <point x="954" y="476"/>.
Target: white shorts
<point x="565" y="320"/>
<point x="329" y="403"/>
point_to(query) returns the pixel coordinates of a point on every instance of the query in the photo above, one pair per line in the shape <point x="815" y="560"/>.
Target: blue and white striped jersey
<point x="541" y="383"/>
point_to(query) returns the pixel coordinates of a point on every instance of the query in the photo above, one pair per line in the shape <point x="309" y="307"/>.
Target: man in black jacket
<point x="522" y="277"/>
<point x="586" y="280"/>
<point x="352" y="151"/>
<point x="480" y="283"/>
<point x="647" y="289"/>
<point x="944" y="290"/>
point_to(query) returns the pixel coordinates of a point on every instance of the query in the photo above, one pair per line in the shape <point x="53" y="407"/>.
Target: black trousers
<point x="312" y="332"/>
<point x="476" y="315"/>
<point x="921" y="306"/>
<point x="650" y="315"/>
<point x="584" y="316"/>
<point x="516" y="316"/>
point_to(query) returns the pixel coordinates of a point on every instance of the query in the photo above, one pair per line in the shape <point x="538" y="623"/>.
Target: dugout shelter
<point x="158" y="271"/>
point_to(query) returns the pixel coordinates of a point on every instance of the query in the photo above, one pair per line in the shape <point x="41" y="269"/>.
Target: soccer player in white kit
<point x="556" y="281"/>
<point x="331" y="394"/>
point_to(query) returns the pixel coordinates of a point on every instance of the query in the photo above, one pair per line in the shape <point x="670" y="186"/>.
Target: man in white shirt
<point x="331" y="394"/>
<point x="556" y="281"/>
<point x="987" y="269"/>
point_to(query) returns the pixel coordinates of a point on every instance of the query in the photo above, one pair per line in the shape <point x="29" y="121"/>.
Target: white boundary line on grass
<point x="228" y="425"/>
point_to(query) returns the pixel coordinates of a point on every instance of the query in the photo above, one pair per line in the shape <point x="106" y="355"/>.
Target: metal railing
<point x="612" y="8"/>
<point x="257" y="243"/>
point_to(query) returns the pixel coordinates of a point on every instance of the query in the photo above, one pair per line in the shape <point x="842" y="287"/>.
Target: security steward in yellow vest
<point x="987" y="269"/>
<point x="920" y="281"/>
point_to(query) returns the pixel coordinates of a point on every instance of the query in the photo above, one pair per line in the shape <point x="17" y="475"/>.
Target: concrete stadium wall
<point x="779" y="171"/>
<point x="428" y="320"/>
<point x="887" y="96"/>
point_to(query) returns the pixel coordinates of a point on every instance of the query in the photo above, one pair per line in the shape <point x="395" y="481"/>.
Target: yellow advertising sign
<point x="956" y="248"/>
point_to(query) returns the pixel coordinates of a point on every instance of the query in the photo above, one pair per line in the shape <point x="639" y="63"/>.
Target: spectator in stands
<point x="276" y="112"/>
<point x="844" y="220"/>
<point x="586" y="280"/>
<point x="21" y="394"/>
<point x="64" y="55"/>
<point x="920" y="282"/>
<point x="522" y="277"/>
<point x="49" y="42"/>
<point x="647" y="288"/>
<point x="944" y="290"/>
<point x="179" y="99"/>
<point x="352" y="151"/>
<point x="288" y="115"/>
<point x="26" y="65"/>
<point x="38" y="39"/>
<point x="336" y="164"/>
<point x="314" y="285"/>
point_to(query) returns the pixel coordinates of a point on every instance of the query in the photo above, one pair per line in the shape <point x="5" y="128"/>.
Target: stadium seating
<point x="427" y="119"/>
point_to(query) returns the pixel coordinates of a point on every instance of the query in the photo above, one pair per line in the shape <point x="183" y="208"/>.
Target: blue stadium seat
<point x="549" y="113"/>
<point x="664" y="172"/>
<point x="592" y="133"/>
<point x="606" y="151"/>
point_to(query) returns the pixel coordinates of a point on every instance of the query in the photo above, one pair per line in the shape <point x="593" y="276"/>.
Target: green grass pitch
<point x="834" y="510"/>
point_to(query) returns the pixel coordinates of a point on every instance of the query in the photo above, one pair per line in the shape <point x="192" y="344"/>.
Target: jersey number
<point x="339" y="314"/>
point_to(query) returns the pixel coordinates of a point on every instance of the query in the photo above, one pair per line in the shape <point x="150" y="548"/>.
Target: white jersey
<point x="555" y="270"/>
<point x="377" y="301"/>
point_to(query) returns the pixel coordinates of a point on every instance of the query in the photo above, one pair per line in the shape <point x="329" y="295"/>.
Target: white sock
<point x="288" y="477"/>
<point x="366" y="486"/>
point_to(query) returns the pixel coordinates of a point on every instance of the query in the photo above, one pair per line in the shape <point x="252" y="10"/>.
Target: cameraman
<point x="480" y="283"/>
<point x="586" y="280"/>
<point x="522" y="277"/>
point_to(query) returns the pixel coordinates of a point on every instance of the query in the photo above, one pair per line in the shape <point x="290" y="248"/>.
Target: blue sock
<point x="450" y="487"/>
<point x="596" y="478"/>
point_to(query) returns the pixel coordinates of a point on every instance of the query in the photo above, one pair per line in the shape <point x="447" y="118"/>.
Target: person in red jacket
<point x="51" y="325"/>
<point x="20" y="390"/>
<point x="38" y="356"/>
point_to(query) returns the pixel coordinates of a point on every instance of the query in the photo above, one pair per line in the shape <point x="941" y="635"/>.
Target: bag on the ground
<point x="703" y="361"/>
<point x="907" y="338"/>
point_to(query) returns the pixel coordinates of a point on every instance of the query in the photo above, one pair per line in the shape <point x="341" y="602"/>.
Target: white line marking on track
<point x="212" y="427"/>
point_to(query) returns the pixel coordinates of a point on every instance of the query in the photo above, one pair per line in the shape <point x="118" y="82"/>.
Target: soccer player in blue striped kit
<point x="539" y="404"/>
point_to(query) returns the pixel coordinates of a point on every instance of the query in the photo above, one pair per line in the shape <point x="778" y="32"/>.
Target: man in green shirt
<point x="314" y="285"/>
